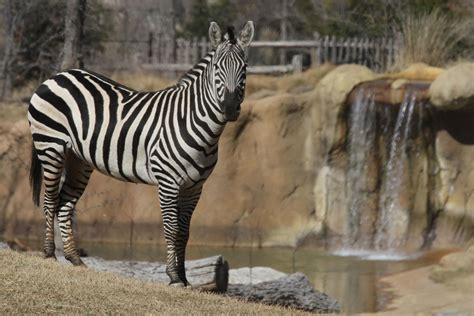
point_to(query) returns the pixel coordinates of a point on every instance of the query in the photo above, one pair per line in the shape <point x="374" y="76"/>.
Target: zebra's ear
<point x="246" y="35"/>
<point x="215" y="35"/>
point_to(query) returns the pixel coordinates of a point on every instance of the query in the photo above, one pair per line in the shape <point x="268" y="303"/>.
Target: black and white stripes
<point x="81" y="121"/>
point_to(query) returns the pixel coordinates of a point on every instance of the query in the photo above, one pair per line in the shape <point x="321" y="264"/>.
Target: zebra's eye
<point x="217" y="67"/>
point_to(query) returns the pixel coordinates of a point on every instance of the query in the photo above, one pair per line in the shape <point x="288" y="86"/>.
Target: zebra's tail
<point x="36" y="176"/>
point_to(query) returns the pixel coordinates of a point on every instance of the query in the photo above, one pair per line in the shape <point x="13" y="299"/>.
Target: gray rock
<point x="293" y="291"/>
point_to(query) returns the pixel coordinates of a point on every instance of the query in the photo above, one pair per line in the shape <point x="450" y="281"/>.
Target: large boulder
<point x="454" y="88"/>
<point x="334" y="88"/>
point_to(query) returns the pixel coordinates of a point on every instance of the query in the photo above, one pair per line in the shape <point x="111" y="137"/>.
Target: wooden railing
<point x="377" y="54"/>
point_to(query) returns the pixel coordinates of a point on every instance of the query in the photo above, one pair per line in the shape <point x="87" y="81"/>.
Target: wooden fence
<point x="377" y="54"/>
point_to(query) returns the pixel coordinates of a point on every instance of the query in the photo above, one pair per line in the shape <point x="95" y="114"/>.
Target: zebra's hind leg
<point x="187" y="203"/>
<point x="52" y="160"/>
<point x="77" y="177"/>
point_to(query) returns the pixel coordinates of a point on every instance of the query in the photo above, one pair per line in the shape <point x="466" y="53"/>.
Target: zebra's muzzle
<point x="231" y="105"/>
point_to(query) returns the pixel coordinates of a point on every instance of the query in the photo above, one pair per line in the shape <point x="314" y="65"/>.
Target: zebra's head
<point x="229" y="67"/>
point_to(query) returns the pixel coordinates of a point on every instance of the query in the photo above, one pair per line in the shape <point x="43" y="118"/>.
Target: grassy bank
<point x="30" y="284"/>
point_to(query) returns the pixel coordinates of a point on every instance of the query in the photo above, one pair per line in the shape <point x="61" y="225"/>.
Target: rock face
<point x="389" y="184"/>
<point x="291" y="291"/>
<point x="454" y="88"/>
<point x="280" y="180"/>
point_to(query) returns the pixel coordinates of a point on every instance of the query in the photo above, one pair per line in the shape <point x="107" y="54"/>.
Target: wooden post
<point x="353" y="57"/>
<point x="359" y="50"/>
<point x="390" y="58"/>
<point x="333" y="50"/>
<point x="316" y="50"/>
<point x="377" y="59"/>
<point x="179" y="51"/>
<point x="383" y="59"/>
<point x="187" y="51"/>
<point x="326" y="49"/>
<point x="347" y="50"/>
<point x="195" y="50"/>
<point x="365" y="55"/>
<point x="203" y="47"/>
<point x="340" y="50"/>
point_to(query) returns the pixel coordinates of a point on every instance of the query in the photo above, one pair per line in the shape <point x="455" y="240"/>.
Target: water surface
<point x="349" y="276"/>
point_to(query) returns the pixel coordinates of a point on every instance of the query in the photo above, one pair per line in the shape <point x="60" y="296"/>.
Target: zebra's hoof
<point x="50" y="256"/>
<point x="77" y="262"/>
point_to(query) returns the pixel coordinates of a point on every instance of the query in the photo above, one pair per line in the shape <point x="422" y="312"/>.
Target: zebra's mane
<point x="230" y="35"/>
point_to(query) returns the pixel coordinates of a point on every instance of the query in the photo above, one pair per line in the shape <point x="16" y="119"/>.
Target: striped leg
<point x="187" y="204"/>
<point x="77" y="177"/>
<point x="52" y="159"/>
<point x="169" y="213"/>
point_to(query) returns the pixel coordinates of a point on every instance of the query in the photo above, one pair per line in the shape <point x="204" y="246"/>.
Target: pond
<point x="348" y="276"/>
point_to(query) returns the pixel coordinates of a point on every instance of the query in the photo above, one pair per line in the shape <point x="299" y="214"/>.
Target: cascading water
<point x="379" y="186"/>
<point x="394" y="204"/>
<point x="361" y="144"/>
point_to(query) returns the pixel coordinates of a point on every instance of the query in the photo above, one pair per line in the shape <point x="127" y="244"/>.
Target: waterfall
<point x="378" y="185"/>
<point x="394" y="201"/>
<point x="362" y="132"/>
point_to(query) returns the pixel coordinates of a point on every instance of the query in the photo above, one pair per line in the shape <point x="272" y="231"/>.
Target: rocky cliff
<point x="281" y="178"/>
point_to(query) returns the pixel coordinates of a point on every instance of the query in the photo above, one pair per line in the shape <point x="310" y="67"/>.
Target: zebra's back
<point x="109" y="126"/>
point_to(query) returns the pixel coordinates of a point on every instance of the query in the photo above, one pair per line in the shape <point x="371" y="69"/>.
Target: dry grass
<point x="287" y="83"/>
<point x="14" y="107"/>
<point x="430" y="38"/>
<point x="12" y="111"/>
<point x="142" y="81"/>
<point x="32" y="285"/>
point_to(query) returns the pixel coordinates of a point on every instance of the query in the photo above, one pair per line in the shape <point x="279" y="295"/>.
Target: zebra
<point x="81" y="121"/>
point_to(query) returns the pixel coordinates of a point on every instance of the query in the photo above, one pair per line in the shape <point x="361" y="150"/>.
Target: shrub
<point x="432" y="38"/>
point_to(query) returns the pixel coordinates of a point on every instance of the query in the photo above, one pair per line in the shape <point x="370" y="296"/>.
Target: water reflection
<point x="349" y="279"/>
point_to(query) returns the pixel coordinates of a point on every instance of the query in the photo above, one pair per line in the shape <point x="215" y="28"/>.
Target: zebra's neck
<point x="199" y="85"/>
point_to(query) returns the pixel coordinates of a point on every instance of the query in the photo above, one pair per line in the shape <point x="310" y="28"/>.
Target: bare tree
<point x="10" y="25"/>
<point x="75" y="13"/>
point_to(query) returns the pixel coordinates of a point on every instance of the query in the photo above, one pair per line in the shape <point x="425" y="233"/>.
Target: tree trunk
<point x="6" y="73"/>
<point x="75" y="13"/>
<point x="283" y="29"/>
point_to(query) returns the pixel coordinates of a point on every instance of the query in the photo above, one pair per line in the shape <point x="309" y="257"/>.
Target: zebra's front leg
<point x="186" y="204"/>
<point x="169" y="213"/>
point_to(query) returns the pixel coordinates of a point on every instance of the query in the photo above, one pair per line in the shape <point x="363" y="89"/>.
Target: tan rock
<point x="337" y="84"/>
<point x="454" y="88"/>
<point x="418" y="71"/>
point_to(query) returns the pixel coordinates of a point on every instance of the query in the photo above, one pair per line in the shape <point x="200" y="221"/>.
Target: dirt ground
<point x="446" y="288"/>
